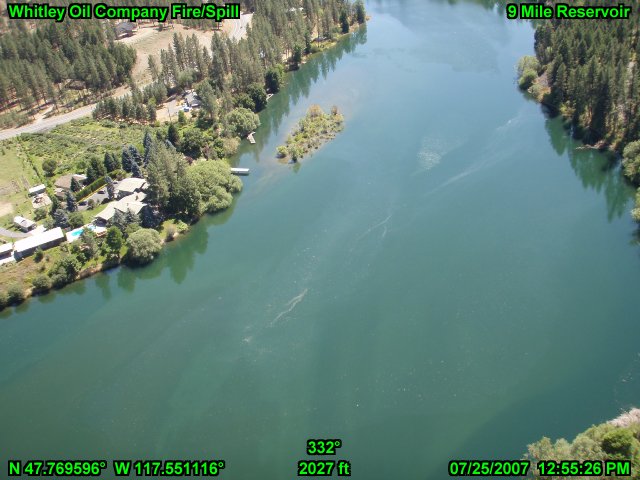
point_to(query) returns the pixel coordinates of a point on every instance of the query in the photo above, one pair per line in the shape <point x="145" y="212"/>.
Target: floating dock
<point x="250" y="138"/>
<point x="240" y="171"/>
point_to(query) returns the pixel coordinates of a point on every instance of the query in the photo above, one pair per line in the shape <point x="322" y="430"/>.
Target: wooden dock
<point x="240" y="171"/>
<point x="251" y="139"/>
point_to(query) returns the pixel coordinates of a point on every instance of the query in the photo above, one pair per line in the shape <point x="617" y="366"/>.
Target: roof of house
<point x="65" y="180"/>
<point x="23" y="222"/>
<point x="37" y="240"/>
<point x="7" y="247"/>
<point x="135" y="207"/>
<point x="132" y="203"/>
<point x="125" y="27"/>
<point x="130" y="185"/>
<point x="37" y="189"/>
<point x="191" y="98"/>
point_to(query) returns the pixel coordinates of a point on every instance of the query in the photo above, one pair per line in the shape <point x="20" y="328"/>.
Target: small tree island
<point x="315" y="129"/>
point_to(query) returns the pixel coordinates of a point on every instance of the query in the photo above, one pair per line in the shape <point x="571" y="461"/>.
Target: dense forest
<point x="239" y="74"/>
<point x="587" y="71"/>
<point x="38" y="64"/>
<point x="43" y="60"/>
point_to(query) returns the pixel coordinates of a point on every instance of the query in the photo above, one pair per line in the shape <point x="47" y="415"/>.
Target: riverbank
<point x="409" y="258"/>
<point x="68" y="263"/>
<point x="174" y="194"/>
<point x="533" y="78"/>
<point x="617" y="439"/>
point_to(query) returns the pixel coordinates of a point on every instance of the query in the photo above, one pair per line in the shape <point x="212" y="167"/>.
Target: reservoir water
<point x="452" y="277"/>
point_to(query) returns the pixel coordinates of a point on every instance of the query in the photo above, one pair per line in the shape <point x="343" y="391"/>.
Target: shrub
<point x="528" y="62"/>
<point x="131" y="229"/>
<point x="282" y="151"/>
<point x="527" y="79"/>
<point x="143" y="246"/>
<point x="64" y="270"/>
<point x="49" y="167"/>
<point x="171" y="231"/>
<point x="182" y="227"/>
<point x="274" y="78"/>
<point x="76" y="220"/>
<point x="230" y="146"/>
<point x="40" y="214"/>
<point x="220" y="200"/>
<point x="38" y="255"/>
<point x="3" y="300"/>
<point x="242" y="121"/>
<point x="619" y="443"/>
<point x="15" y="294"/>
<point x="113" y="241"/>
<point x="41" y="283"/>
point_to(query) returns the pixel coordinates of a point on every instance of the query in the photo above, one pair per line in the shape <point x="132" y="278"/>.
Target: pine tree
<point x="135" y="169"/>
<point x="75" y="185"/>
<point x="111" y="162"/>
<point x="344" y="21"/>
<point x="72" y="204"/>
<point x="361" y="15"/>
<point x="173" y="135"/>
<point x="111" y="189"/>
<point x="61" y="219"/>
<point x="126" y="160"/>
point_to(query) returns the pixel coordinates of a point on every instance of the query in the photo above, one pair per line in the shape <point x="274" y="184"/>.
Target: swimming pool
<point x="74" y="235"/>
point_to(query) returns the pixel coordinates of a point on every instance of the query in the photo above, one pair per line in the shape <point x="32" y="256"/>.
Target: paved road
<point x="240" y="26"/>
<point x="239" y="31"/>
<point x="11" y="234"/>
<point x="48" y="123"/>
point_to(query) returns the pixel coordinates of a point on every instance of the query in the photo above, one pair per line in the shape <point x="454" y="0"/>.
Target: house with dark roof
<point x="6" y="250"/>
<point x="63" y="184"/>
<point x="133" y="203"/>
<point x="24" y="224"/>
<point x="125" y="29"/>
<point x="129" y="186"/>
<point x="192" y="100"/>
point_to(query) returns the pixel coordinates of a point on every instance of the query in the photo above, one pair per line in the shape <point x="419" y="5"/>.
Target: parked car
<point x="186" y="109"/>
<point x="102" y="191"/>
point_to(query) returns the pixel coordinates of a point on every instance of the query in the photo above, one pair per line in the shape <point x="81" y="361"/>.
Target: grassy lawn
<point x="71" y="144"/>
<point x="16" y="176"/>
<point x="22" y="272"/>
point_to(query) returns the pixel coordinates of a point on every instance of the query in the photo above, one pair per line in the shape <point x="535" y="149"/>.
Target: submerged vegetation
<point x="315" y="129"/>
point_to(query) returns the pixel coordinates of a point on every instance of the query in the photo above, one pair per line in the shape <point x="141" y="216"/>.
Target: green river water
<point x="449" y="278"/>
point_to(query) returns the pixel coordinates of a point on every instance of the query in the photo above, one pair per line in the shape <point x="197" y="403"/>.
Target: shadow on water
<point x="179" y="256"/>
<point x="103" y="282"/>
<point x="597" y="170"/>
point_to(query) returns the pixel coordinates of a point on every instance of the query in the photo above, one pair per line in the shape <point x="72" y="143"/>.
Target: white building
<point x="131" y="203"/>
<point x="6" y="250"/>
<point x="50" y="238"/>
<point x="37" y="190"/>
<point x="24" y="224"/>
<point x="129" y="186"/>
